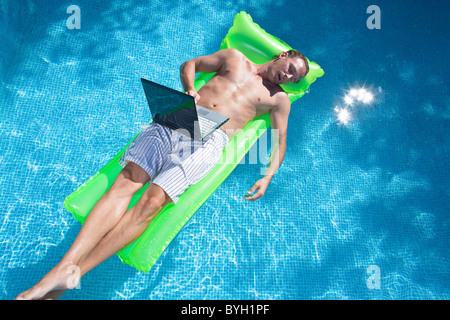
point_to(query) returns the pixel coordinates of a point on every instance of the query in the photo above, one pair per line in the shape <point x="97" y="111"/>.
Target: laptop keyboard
<point x="206" y="125"/>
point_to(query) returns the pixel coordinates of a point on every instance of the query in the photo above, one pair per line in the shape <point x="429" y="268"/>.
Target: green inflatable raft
<point x="259" y="47"/>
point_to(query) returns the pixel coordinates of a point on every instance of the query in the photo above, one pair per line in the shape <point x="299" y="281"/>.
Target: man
<point x="240" y="90"/>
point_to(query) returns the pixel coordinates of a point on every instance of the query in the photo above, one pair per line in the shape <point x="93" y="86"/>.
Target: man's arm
<point x="279" y="121"/>
<point x="209" y="63"/>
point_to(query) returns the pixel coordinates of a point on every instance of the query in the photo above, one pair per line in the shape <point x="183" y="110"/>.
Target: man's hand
<point x="260" y="187"/>
<point x="194" y="94"/>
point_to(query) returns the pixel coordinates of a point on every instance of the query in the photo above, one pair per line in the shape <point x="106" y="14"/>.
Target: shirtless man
<point x="240" y="90"/>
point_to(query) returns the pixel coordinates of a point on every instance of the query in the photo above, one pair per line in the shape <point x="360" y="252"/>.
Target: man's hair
<point x="295" y="54"/>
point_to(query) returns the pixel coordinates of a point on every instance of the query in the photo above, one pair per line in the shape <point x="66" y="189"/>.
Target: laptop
<point x="178" y="111"/>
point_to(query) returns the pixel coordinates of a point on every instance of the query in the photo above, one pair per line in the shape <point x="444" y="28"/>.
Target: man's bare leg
<point x="102" y="219"/>
<point x="108" y="211"/>
<point x="130" y="227"/>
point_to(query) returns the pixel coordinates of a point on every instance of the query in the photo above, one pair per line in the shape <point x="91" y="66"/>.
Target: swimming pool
<point x="359" y="209"/>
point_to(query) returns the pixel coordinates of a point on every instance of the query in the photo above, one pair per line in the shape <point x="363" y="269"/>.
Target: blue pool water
<point x="369" y="192"/>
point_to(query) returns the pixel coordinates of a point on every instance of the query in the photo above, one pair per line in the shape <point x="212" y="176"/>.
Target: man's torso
<point x="239" y="93"/>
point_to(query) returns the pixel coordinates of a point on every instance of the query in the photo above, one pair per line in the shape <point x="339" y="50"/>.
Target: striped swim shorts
<point x="173" y="160"/>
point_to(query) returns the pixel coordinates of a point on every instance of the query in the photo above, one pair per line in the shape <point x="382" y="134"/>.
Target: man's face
<point x="286" y="70"/>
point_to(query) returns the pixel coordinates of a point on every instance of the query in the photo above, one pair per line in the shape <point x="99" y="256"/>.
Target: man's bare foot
<point x="53" y="284"/>
<point x="53" y="295"/>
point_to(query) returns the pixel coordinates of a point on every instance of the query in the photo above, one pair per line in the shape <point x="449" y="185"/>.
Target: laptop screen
<point x="169" y="107"/>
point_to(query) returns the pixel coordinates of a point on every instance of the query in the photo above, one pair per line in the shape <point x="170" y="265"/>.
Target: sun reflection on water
<point x="354" y="98"/>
